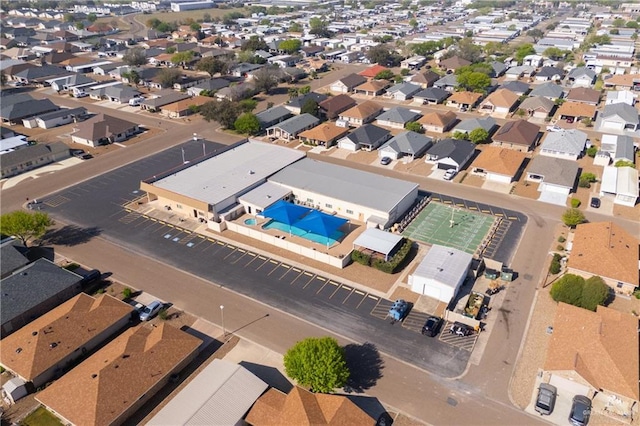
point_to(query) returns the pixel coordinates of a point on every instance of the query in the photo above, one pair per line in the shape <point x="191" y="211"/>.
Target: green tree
<point x="382" y="55"/>
<point x="385" y="75"/>
<point x="568" y="289"/>
<point x="404" y="72"/>
<point x="310" y="107"/>
<point x="413" y="23"/>
<point x="266" y="78"/>
<point x="304" y="90"/>
<point x="523" y="50"/>
<point x="25" y="225"/>
<point x="79" y="26"/>
<point x="293" y="92"/>
<point x="170" y="50"/>
<point x="317" y="363"/>
<point x="587" y="122"/>
<point x="632" y="24"/>
<point x="619" y="23"/>
<point x="426" y="48"/>
<point x="536" y="34"/>
<point x="555" y="53"/>
<point x="68" y="17"/>
<point x="133" y="76"/>
<point x="478" y="135"/>
<point x="295" y="27"/>
<point x="135" y="57"/>
<point x="319" y="27"/>
<point x="92" y="17"/>
<point x="212" y="66"/>
<point x="414" y="126"/>
<point x="290" y="46"/>
<point x="169" y="76"/>
<point x="254" y="43"/>
<point x="573" y="217"/>
<point x="459" y="135"/>
<point x="225" y="112"/>
<point x="248" y="105"/>
<point x="469" y="51"/>
<point x="592" y="151"/>
<point x="194" y="26"/>
<point x="614" y="31"/>
<point x="182" y="58"/>
<point x="624" y="163"/>
<point x="595" y="292"/>
<point x="474" y="81"/>
<point x="247" y="124"/>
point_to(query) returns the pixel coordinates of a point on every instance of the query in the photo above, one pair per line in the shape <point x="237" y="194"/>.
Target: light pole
<point x="224" y="332"/>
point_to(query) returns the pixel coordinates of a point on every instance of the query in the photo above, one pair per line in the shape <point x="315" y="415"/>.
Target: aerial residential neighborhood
<point x="320" y="212"/>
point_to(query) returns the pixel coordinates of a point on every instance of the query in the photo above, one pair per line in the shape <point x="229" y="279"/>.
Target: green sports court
<point x="433" y="226"/>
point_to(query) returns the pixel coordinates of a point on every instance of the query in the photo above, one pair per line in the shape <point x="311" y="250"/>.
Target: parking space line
<point x="349" y="295"/>
<point x="288" y="268"/>
<point x="338" y="287"/>
<point x="298" y="276"/>
<point x="277" y="266"/>
<point x="472" y="208"/>
<point x="266" y="260"/>
<point x="311" y="279"/>
<point x="363" y="299"/>
<point x="232" y="251"/>
<point x="254" y="257"/>
<point x="244" y="253"/>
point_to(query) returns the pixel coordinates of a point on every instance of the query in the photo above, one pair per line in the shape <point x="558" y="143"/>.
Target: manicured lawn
<point x="433" y="226"/>
<point x="41" y="417"/>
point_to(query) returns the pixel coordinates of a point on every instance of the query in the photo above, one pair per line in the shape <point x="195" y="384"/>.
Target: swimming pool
<point x="320" y="239"/>
<point x="250" y="221"/>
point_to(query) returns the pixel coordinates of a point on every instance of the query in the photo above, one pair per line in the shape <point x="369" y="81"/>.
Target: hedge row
<point x="555" y="266"/>
<point x="360" y="257"/>
<point x="385" y="266"/>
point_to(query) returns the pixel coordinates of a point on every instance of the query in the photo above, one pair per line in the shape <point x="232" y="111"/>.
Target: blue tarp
<point x="285" y="212"/>
<point x="320" y="223"/>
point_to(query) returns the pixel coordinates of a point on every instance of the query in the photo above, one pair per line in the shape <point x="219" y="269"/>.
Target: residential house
<point x="519" y="135"/>
<point x="33" y="290"/>
<point x="290" y="128"/>
<point x="467" y="126"/>
<point x="402" y="91"/>
<point x="103" y="129"/>
<point x="347" y="83"/>
<point x="431" y="96"/>
<point x="272" y="116"/>
<point x="595" y="353"/>
<point x="31" y="157"/>
<point x="242" y="90"/>
<point x="16" y="107"/>
<point x="584" y="95"/>
<point x="606" y="250"/>
<point x="79" y="325"/>
<point x="548" y="90"/>
<point x="451" y="154"/>
<point x="549" y="74"/>
<point x="243" y="69"/>
<point x="449" y="83"/>
<point x="567" y="144"/>
<point x="397" y="117"/>
<point x="333" y="106"/>
<point x="184" y="107"/>
<point x="618" y="117"/>
<point x="556" y="178"/>
<point x="211" y="85"/>
<point x="581" y="77"/>
<point x="498" y="164"/>
<point x="500" y="102"/>
<point x="64" y="84"/>
<point x="116" y="381"/>
<point x="538" y="106"/>
<point x="533" y="61"/>
<point x="621" y="183"/>
<point x="621" y="96"/>
<point x="623" y="82"/>
<point x="162" y="98"/>
<point x="284" y="61"/>
<point x="518" y="87"/>
<point x="410" y="145"/>
<point x="295" y="105"/>
<point x="438" y="122"/>
<point x="425" y="78"/>
<point x="366" y="138"/>
<point x="372" y="87"/>
<point x="14" y="256"/>
<point x="413" y="62"/>
<point x="361" y="114"/>
<point x="453" y="63"/>
<point x="373" y="71"/>
<point x="514" y="73"/>
<point x="56" y="118"/>
<point x="119" y="94"/>
<point x="299" y="406"/>
<point x="576" y="111"/>
<point x="464" y="100"/>
<point x="615" y="148"/>
<point x="324" y="134"/>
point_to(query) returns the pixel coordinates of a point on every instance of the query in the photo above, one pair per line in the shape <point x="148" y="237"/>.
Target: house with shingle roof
<point x="290" y="128"/>
<point x="607" y="250"/>
<point x="538" y="106"/>
<point x="79" y="325"/>
<point x="406" y="144"/>
<point x="556" y="178"/>
<point x="273" y="115"/>
<point x="576" y="111"/>
<point x="324" y="134"/>
<point x="103" y="129"/>
<point x="438" y="122"/>
<point x="184" y="107"/>
<point x="618" y="117"/>
<point x="549" y="74"/>
<point x="13" y="255"/>
<point x="464" y="100"/>
<point x="548" y="90"/>
<point x="347" y="83"/>
<point x="621" y="96"/>
<point x="567" y="144"/>
<point x="16" y="107"/>
<point x="453" y="63"/>
<point x="449" y="83"/>
<point x="211" y="85"/>
<point x="372" y="71"/>
<point x="295" y="105"/>
<point x="116" y="381"/>
<point x="366" y="138"/>
<point x="518" y="87"/>
<point x="595" y="353"/>
<point x="498" y="164"/>
<point x="614" y="148"/>
<point x="500" y="102"/>
<point x="581" y="77"/>
<point x="451" y="154"/>
<point x="397" y="117"/>
<point x="584" y="95"/>
<point x="431" y="96"/>
<point x="519" y="135"/>
<point x="425" y="78"/>
<point x="362" y="113"/>
<point x="621" y="183"/>
<point x="334" y="105"/>
<point x="402" y="91"/>
<point x="467" y="126"/>
<point x="372" y="87"/>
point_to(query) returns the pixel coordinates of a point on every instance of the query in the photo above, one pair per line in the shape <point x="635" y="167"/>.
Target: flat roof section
<point x="230" y="173"/>
<point x="265" y="195"/>
<point x="346" y="184"/>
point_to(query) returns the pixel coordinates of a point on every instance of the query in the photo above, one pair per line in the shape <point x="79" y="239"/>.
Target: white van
<point x="136" y="101"/>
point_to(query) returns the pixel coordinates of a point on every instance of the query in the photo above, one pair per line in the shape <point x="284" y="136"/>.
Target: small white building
<point x="622" y="183"/>
<point x="441" y="273"/>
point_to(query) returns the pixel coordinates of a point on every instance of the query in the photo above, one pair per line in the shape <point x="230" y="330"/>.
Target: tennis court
<point x="433" y="226"/>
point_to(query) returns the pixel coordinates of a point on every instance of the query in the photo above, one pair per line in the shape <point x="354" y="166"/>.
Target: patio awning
<point x="320" y="223"/>
<point x="285" y="212"/>
<point x="377" y="240"/>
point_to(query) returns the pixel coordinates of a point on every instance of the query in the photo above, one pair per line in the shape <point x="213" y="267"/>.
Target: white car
<point x="449" y="174"/>
<point x="554" y="128"/>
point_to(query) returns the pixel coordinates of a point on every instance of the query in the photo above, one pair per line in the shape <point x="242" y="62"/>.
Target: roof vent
<point x="251" y="172"/>
<point x="53" y="345"/>
<point x="93" y="376"/>
<point x="24" y="274"/>
<point x="35" y="333"/>
<point x="18" y="350"/>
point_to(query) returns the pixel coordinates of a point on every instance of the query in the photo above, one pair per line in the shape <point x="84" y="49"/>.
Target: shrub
<point x="592" y="151"/>
<point x="573" y="217"/>
<point x="126" y="293"/>
<point x="582" y="183"/>
<point x="2" y="370"/>
<point x="568" y="289"/>
<point x="575" y="203"/>
<point x="361" y="258"/>
<point x="637" y="294"/>
<point x="392" y="265"/>
<point x="72" y="267"/>
<point x="561" y="239"/>
<point x="595" y="292"/>
<point x="560" y="247"/>
<point x="555" y="266"/>
<point x="163" y="315"/>
<point x="589" y="177"/>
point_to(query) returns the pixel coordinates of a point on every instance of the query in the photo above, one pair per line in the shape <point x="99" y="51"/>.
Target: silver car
<point x="151" y="310"/>
<point x="546" y="399"/>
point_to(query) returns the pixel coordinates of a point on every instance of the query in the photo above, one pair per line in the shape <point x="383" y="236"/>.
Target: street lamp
<point x="224" y="332"/>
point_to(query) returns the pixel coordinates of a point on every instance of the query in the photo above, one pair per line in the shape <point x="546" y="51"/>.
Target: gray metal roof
<point x="566" y="141"/>
<point x="298" y="123"/>
<point x="378" y="240"/>
<point x="265" y="195"/>
<point x="63" y="112"/>
<point x="29" y="286"/>
<point x="618" y="147"/>
<point x="346" y="184"/>
<point x="398" y="115"/>
<point x="273" y="114"/>
<point x="548" y="90"/>
<point x="626" y="112"/>
<point x="466" y="126"/>
<point x="550" y="72"/>
<point x="231" y="173"/>
<point x="410" y="143"/>
<point x="221" y="394"/>
<point x="555" y="171"/>
<point x="445" y="265"/>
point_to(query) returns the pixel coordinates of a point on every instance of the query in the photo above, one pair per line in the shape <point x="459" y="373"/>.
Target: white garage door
<point x="554" y="188"/>
<point x="348" y="145"/>
<point x="569" y="387"/>
<point x="498" y="178"/>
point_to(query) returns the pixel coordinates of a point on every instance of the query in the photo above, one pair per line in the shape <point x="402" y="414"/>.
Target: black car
<point x="461" y="329"/>
<point x="546" y="400"/>
<point x="580" y="411"/>
<point x="431" y="327"/>
<point x="595" y="202"/>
